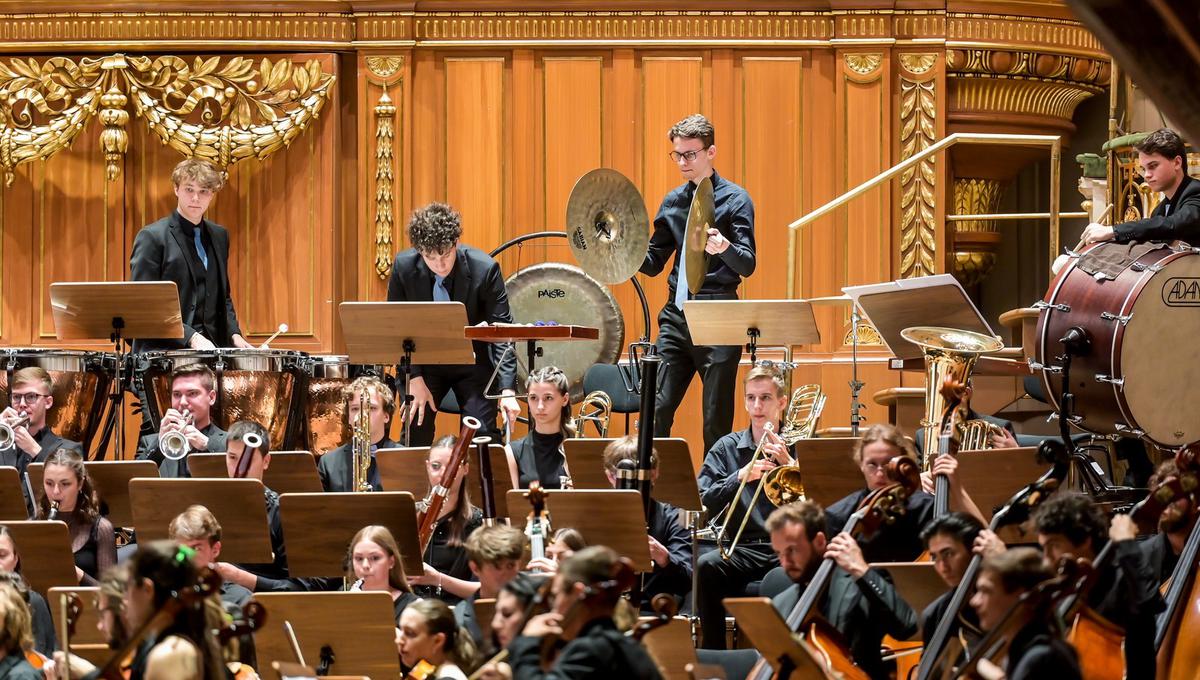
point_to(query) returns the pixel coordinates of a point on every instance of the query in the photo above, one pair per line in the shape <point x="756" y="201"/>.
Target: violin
<point x="1180" y="620"/>
<point x="537" y="526"/>
<point x="880" y="507"/>
<point x="621" y="578"/>
<point x="665" y="609"/>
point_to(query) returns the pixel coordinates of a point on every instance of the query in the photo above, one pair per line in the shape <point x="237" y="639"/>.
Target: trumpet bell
<point x="174" y="445"/>
<point x="783" y="485"/>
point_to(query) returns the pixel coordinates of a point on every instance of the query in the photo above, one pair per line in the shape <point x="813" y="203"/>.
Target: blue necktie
<point x="440" y="294"/>
<point x="200" y="248"/>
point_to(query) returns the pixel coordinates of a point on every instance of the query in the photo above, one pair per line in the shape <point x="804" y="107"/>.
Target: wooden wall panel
<point x="573" y="137"/>
<point x="475" y="144"/>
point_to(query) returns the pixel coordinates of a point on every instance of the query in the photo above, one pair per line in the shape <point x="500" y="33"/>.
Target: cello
<point x="1180" y="621"/>
<point x="880" y="507"/>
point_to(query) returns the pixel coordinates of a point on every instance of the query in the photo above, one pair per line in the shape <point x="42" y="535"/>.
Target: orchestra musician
<point x="565" y="542"/>
<point x="899" y="542"/>
<point x="44" y="636"/>
<point x="430" y="633"/>
<point x="951" y="541"/>
<point x="193" y="392"/>
<point x="1162" y="550"/>
<point x="731" y="247"/>
<point x="539" y="454"/>
<point x="670" y="542"/>
<point x="447" y="575"/>
<point x="438" y="268"/>
<point x="1125" y="592"/>
<point x="495" y="554"/>
<point x="376" y="565"/>
<point x="1035" y="652"/>
<point x="1162" y="156"/>
<point x="582" y="614"/>
<point x="16" y="636"/>
<point x="198" y="529"/>
<point x="861" y="602"/>
<point x="725" y="467"/>
<point x="336" y="467"/>
<point x="192" y="251"/>
<point x="33" y="442"/>
<point x="511" y="603"/>
<point x="67" y="487"/>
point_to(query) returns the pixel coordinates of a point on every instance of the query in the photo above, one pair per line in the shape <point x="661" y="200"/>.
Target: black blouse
<point x="449" y="560"/>
<point x="539" y="457"/>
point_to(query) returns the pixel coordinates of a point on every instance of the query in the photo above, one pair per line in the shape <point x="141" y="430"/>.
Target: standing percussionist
<point x="1162" y="156"/>
<point x="731" y="243"/>
<point x="194" y="253"/>
<point x="438" y="268"/>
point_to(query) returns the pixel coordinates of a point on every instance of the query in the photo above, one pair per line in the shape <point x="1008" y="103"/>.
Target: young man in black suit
<point x="192" y="251"/>
<point x="336" y="467"/>
<point x="437" y="268"/>
<point x="34" y="441"/>
<point x="1163" y="158"/>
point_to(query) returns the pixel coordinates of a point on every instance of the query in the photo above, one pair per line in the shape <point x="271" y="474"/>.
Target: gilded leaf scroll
<point x="223" y="112"/>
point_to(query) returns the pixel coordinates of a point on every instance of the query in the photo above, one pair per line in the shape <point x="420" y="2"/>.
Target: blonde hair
<point x="199" y="171"/>
<point x="889" y="434"/>
<point x="16" y="627"/>
<point x="767" y="372"/>
<point x="490" y="545"/>
<point x="372" y="385"/>
<point x="195" y="524"/>
<point x="625" y="448"/>
<point x="33" y="374"/>
<point x="382" y="537"/>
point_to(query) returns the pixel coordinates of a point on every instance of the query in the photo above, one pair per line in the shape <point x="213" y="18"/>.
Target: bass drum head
<point x="552" y="291"/>
<point x="1162" y="375"/>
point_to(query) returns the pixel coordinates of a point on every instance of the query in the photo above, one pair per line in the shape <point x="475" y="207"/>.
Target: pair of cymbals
<point x="701" y="216"/>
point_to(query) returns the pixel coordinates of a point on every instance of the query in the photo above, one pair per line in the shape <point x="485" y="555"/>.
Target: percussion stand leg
<point x="117" y="415"/>
<point x="406" y="402"/>
<point x="856" y="385"/>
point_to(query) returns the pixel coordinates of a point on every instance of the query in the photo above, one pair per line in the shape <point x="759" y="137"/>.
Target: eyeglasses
<point x="688" y="156"/>
<point x="27" y="397"/>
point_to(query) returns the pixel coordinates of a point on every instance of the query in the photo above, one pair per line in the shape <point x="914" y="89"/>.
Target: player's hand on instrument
<point x="948" y="466"/>
<point x="1096" y="233"/>
<point x="988" y="544"/>
<point x="431" y="577"/>
<point x="775" y="451"/>
<point x="26" y="442"/>
<point x="241" y="343"/>
<point x="421" y="397"/>
<point x="544" y="565"/>
<point x="844" y="550"/>
<point x="10" y="415"/>
<point x="510" y="408"/>
<point x="752" y="473"/>
<point x="1003" y="439"/>
<point x="200" y="342"/>
<point x="494" y="671"/>
<point x="989" y="671"/>
<point x="1122" y="528"/>
<point x="172" y="421"/>
<point x="716" y="243"/>
<point x="659" y="552"/>
<point x="543" y="625"/>
<point x="196" y="439"/>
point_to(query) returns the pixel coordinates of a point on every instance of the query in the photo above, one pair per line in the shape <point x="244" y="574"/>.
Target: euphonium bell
<point x="977" y="435"/>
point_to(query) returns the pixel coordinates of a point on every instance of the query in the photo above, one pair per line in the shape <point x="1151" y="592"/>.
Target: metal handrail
<point x="1052" y="141"/>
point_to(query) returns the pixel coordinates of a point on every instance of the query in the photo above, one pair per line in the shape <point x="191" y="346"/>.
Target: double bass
<point x="1180" y="621"/>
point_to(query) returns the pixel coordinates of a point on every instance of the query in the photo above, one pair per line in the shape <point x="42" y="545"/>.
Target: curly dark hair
<point x="960" y="526"/>
<point x="695" y="126"/>
<point x="87" y="508"/>
<point x="1166" y="143"/>
<point x="1075" y="517"/>
<point x="434" y="228"/>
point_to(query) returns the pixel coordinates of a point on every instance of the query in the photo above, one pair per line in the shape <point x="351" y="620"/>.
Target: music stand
<point x="46" y="557"/>
<point x="238" y="504"/>
<point x="317" y="546"/>
<point x="403" y="469"/>
<point x="12" y="498"/>
<point x="676" y="472"/>
<point x="781" y="323"/>
<point x="356" y="629"/>
<point x="111" y="481"/>
<point x="406" y="332"/>
<point x="121" y="310"/>
<point x="289" y="471"/>
<point x="991" y="477"/>
<point x="917" y="583"/>
<point x="87" y="641"/>
<point x="828" y="471"/>
<point x="621" y="525"/>
<point x="773" y="639"/>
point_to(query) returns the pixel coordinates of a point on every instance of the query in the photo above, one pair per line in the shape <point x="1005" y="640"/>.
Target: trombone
<point x="596" y="408"/>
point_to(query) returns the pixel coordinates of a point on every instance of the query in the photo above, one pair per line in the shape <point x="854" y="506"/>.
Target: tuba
<point x="950" y="354"/>
<point x="977" y="435"/>
<point x="360" y="443"/>
<point x="596" y="408"/>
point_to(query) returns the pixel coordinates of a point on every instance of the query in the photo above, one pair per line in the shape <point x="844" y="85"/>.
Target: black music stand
<point x="349" y="633"/>
<point x="123" y="310"/>
<point x="317" y="546"/>
<point x="780" y="323"/>
<point x="238" y="504"/>
<point x="424" y="333"/>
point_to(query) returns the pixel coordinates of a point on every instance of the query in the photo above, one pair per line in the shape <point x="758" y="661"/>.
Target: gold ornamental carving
<point x="976" y="241"/>
<point x="918" y="130"/>
<point x="864" y="64"/>
<point x="384" y="67"/>
<point x="867" y="335"/>
<point x="221" y="111"/>
<point x="918" y="64"/>
<point x="385" y="114"/>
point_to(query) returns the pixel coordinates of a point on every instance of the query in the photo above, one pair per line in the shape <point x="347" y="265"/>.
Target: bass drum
<point x="552" y="291"/>
<point x="1139" y="375"/>
<point x="325" y="411"/>
<point x="80" y="383"/>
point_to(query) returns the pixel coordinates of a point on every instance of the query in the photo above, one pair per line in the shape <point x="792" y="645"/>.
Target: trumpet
<point x="8" y="431"/>
<point x="977" y="435"/>
<point x="174" y="444"/>
<point x="595" y="408"/>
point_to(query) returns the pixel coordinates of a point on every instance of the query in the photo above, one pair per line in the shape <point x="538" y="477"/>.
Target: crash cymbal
<point x="607" y="226"/>
<point x="700" y="218"/>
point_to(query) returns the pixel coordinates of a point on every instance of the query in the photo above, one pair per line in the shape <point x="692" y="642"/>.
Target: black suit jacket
<point x="148" y="449"/>
<point x="478" y="284"/>
<point x="1182" y="222"/>
<point x="160" y="254"/>
<point x="863" y="611"/>
<point x="336" y="468"/>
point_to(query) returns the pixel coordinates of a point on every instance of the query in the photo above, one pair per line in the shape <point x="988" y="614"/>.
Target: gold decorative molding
<point x="384" y="67"/>
<point x="867" y="335"/>
<point x="385" y="114"/>
<point x="864" y="64"/>
<point x="222" y="112"/>
<point x="1086" y="72"/>
<point x="221" y="28"/>
<point x="918" y="130"/>
<point x="1006" y="31"/>
<point x="976" y="241"/>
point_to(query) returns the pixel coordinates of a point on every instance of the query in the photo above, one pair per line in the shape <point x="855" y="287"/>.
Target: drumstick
<point x="283" y="328"/>
<point x="1061" y="260"/>
<point x="1103" y="216"/>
